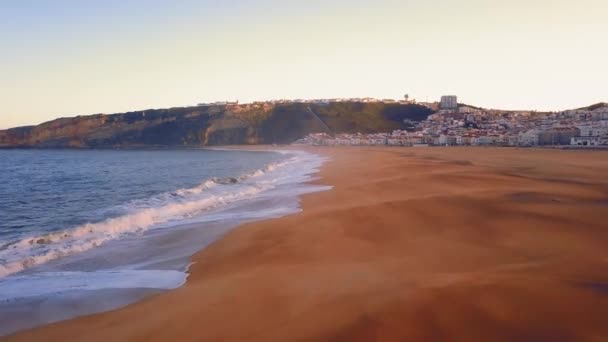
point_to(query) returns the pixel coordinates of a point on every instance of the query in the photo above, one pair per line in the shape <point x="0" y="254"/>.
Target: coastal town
<point x="456" y="124"/>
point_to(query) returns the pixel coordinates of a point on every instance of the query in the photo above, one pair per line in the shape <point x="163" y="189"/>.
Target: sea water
<point x="83" y="231"/>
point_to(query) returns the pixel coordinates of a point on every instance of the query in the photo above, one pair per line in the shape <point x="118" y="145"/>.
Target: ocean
<point x="84" y="231"/>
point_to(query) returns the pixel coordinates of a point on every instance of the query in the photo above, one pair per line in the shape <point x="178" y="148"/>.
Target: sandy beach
<point x="428" y="244"/>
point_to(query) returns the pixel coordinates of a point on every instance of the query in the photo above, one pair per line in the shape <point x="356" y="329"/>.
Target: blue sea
<point x="83" y="231"/>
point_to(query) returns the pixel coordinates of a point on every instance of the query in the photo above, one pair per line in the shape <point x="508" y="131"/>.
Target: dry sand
<point x="458" y="244"/>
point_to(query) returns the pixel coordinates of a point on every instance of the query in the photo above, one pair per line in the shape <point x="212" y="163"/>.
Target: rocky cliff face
<point x="212" y="125"/>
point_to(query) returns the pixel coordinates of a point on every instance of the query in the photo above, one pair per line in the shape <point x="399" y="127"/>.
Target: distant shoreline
<point x="266" y="147"/>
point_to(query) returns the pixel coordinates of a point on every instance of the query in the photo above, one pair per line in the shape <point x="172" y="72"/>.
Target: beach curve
<point x="412" y="244"/>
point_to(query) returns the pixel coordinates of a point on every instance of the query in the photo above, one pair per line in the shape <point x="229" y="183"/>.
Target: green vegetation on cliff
<point x="358" y="117"/>
<point x="213" y="125"/>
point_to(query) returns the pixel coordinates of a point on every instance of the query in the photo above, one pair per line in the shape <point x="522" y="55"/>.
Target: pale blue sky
<point x="66" y="58"/>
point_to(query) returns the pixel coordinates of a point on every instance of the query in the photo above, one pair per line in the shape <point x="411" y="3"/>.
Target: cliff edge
<point x="258" y="123"/>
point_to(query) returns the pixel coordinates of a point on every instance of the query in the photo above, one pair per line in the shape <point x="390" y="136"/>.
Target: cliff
<point x="262" y="123"/>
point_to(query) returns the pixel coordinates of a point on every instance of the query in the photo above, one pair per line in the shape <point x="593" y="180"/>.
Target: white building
<point x="586" y="141"/>
<point x="469" y="110"/>
<point x="593" y="130"/>
<point x="529" y="137"/>
<point x="449" y="102"/>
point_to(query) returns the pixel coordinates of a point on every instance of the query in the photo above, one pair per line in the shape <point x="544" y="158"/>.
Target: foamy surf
<point x="139" y="216"/>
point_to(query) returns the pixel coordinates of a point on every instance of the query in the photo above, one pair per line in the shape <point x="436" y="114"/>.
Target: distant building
<point x="529" y="137"/>
<point x="586" y="141"/>
<point x="558" y="136"/>
<point x="449" y="102"/>
<point x="469" y="110"/>
<point x="219" y="103"/>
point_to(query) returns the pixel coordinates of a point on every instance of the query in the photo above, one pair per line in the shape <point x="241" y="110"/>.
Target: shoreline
<point x="420" y="257"/>
<point x="34" y="311"/>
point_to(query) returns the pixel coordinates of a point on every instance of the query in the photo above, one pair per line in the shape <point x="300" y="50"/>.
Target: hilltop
<point x="595" y="106"/>
<point x="208" y="125"/>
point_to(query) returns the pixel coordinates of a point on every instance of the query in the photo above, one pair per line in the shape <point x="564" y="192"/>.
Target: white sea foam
<point x="165" y="209"/>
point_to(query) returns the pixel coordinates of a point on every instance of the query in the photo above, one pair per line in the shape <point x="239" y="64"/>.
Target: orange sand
<point x="438" y="244"/>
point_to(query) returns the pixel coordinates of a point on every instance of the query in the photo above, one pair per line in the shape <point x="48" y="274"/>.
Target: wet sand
<point x="429" y="244"/>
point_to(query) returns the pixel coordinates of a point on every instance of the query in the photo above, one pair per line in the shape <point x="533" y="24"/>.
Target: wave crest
<point x="142" y="215"/>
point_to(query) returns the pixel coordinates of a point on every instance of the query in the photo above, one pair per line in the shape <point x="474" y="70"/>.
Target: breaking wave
<point x="139" y="216"/>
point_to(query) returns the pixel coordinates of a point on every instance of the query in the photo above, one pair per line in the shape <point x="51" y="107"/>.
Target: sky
<point x="75" y="57"/>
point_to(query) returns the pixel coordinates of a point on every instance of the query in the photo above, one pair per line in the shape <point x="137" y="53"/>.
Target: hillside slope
<point x="212" y="125"/>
